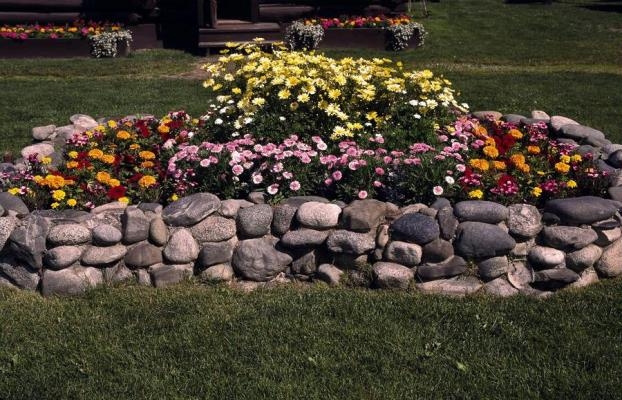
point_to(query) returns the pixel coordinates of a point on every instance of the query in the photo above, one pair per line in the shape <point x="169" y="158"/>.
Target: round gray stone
<point x="282" y="218"/>
<point x="493" y="267"/>
<point x="524" y="221"/>
<point x="158" y="232"/>
<point x="329" y="274"/>
<point x="481" y="211"/>
<point x="553" y="279"/>
<point x="416" y="228"/>
<point x="214" y="229"/>
<point x="609" y="264"/>
<point x="447" y="222"/>
<point x="580" y="132"/>
<point x="258" y="260"/>
<point x="163" y="275"/>
<point x="487" y="115"/>
<point x="98" y="256"/>
<point x="19" y="275"/>
<point x="557" y="121"/>
<point x="40" y="149"/>
<point x="568" y="237"/>
<point x="451" y="287"/>
<point x="584" y="258"/>
<point x="404" y="253"/>
<point x="7" y="224"/>
<point x="363" y="215"/>
<point x="181" y="247"/>
<point x="481" y="240"/>
<point x="27" y="241"/>
<point x="607" y="236"/>
<point x="61" y="257"/>
<point x="615" y="159"/>
<point x="437" y="251"/>
<point x="190" y="210"/>
<point x="43" y="132"/>
<point x="10" y="202"/>
<point x="541" y="257"/>
<point x="143" y="255"/>
<point x="392" y="276"/>
<point x="106" y="235"/>
<point x="254" y="221"/>
<point x="217" y="273"/>
<point x="304" y="238"/>
<point x="213" y="253"/>
<point x="135" y="225"/>
<point x="500" y="288"/>
<point x="342" y="241"/>
<point x="316" y="215"/>
<point x="69" y="235"/>
<point x="453" y="266"/>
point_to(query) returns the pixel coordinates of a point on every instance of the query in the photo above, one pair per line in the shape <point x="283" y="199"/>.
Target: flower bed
<point x="77" y="39"/>
<point x="380" y="32"/>
<point x="348" y="154"/>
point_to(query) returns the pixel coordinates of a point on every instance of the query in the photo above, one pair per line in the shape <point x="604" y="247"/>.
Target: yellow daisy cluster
<point x="346" y="91"/>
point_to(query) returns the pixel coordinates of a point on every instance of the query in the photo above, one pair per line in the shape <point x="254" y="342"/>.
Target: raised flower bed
<point x="378" y="33"/>
<point x="79" y="39"/>
<point x="387" y="183"/>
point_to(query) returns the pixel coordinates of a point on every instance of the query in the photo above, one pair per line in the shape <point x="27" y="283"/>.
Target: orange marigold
<point x="515" y="133"/>
<point x="479" y="164"/>
<point x="146" y="155"/>
<point x="499" y="165"/>
<point x="562" y="167"/>
<point x="491" y="151"/>
<point x="147" y="181"/>
<point x="533" y="149"/>
<point x="103" y="177"/>
<point x="517" y="159"/>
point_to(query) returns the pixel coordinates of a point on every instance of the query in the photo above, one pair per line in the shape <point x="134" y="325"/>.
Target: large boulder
<point x="62" y="257"/>
<point x="163" y="275"/>
<point x="342" y="241"/>
<point x="98" y="256"/>
<point x="258" y="260"/>
<point x="10" y="202"/>
<point x="70" y="281"/>
<point x="181" y="247"/>
<point x="106" y="235"/>
<point x="363" y="215"/>
<point x="454" y="266"/>
<point x="213" y="253"/>
<point x="582" y="210"/>
<point x="524" y="221"/>
<point x="282" y="218"/>
<point x="27" y="241"/>
<point x="69" y="235"/>
<point x="493" y="267"/>
<point x="404" y="253"/>
<point x="316" y="215"/>
<point x="135" y="225"/>
<point x="190" y="210"/>
<point x="481" y="240"/>
<point x="19" y="275"/>
<point x="143" y="255"/>
<point x="304" y="238"/>
<point x="568" y="237"/>
<point x="610" y="264"/>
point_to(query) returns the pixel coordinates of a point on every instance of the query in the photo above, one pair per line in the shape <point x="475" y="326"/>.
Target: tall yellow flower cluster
<point x="343" y="93"/>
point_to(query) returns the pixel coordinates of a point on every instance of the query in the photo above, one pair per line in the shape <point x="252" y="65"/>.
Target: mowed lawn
<point x="193" y="342"/>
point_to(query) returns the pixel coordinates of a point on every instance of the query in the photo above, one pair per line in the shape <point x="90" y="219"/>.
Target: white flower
<point x="281" y="118"/>
<point x="450" y="180"/>
<point x="414" y="103"/>
<point x="248" y="120"/>
<point x="417" y="116"/>
<point x="223" y="110"/>
<point x="437" y="190"/>
<point x="218" y="121"/>
<point x="190" y="135"/>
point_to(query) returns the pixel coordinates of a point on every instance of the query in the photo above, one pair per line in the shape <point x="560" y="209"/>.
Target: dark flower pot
<point x="51" y="48"/>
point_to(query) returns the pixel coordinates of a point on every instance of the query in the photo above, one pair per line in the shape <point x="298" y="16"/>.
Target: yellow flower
<point x="134" y="146"/>
<point x="564" y="158"/>
<point x="53" y="181"/>
<point x="147" y="181"/>
<point x="96" y="153"/>
<point x="491" y="151"/>
<point x="524" y="168"/>
<point x="112" y="124"/>
<point x="576" y="158"/>
<point x="46" y="160"/>
<point x="236" y="90"/>
<point x="146" y="155"/>
<point x="499" y="165"/>
<point x="334" y="94"/>
<point x="14" y="191"/>
<point x="108" y="158"/>
<point x="571" y="184"/>
<point x="103" y="177"/>
<point x="371" y="115"/>
<point x="481" y="131"/>
<point x="163" y="129"/>
<point x="73" y="154"/>
<point x="72" y="202"/>
<point x="258" y="101"/>
<point x="72" y="164"/>
<point x="476" y="194"/>
<point x="517" y="159"/>
<point x="533" y="149"/>
<point x="124" y="199"/>
<point x="339" y="132"/>
<point x="54" y="205"/>
<point x="174" y="197"/>
<point x="284" y="94"/>
<point x="147" y="164"/>
<point x="303" y="97"/>
<point x="515" y="133"/>
<point x="562" y="167"/>
<point x="58" y="195"/>
<point x="536" y="191"/>
<point x="123" y="135"/>
<point x="479" y="164"/>
<point x="113" y="182"/>
<point x="37" y="179"/>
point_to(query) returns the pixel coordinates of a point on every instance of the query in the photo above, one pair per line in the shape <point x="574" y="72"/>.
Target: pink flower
<point x="328" y="181"/>
<point x="273" y="189"/>
<point x="437" y="190"/>
<point x="257" y="179"/>
<point x="288" y="175"/>
<point x="237" y="169"/>
<point x="379" y="171"/>
<point x="337" y="175"/>
<point x="377" y="184"/>
<point x="294" y="185"/>
<point x="205" y="162"/>
<point x="353" y="165"/>
<point x="362" y="194"/>
<point x="322" y="146"/>
<point x="460" y="167"/>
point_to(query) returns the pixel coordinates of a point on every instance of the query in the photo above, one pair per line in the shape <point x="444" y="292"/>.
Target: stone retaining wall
<point x="470" y="247"/>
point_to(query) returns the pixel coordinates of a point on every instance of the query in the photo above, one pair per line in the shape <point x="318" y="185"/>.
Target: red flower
<point x="116" y="192"/>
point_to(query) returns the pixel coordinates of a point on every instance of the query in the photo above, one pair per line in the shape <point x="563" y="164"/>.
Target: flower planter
<point x="52" y="48"/>
<point x="367" y="38"/>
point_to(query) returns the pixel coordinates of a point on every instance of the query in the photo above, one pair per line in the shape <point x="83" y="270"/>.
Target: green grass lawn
<point x="195" y="342"/>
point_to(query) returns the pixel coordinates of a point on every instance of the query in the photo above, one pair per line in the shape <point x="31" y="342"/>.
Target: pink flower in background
<point x="362" y="194"/>
<point x="337" y="175"/>
<point x="237" y="170"/>
<point x="379" y="171"/>
<point x="437" y="190"/>
<point x="273" y="189"/>
<point x="294" y="185"/>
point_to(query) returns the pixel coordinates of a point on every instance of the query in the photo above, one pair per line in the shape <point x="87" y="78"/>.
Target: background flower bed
<point x="292" y="123"/>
